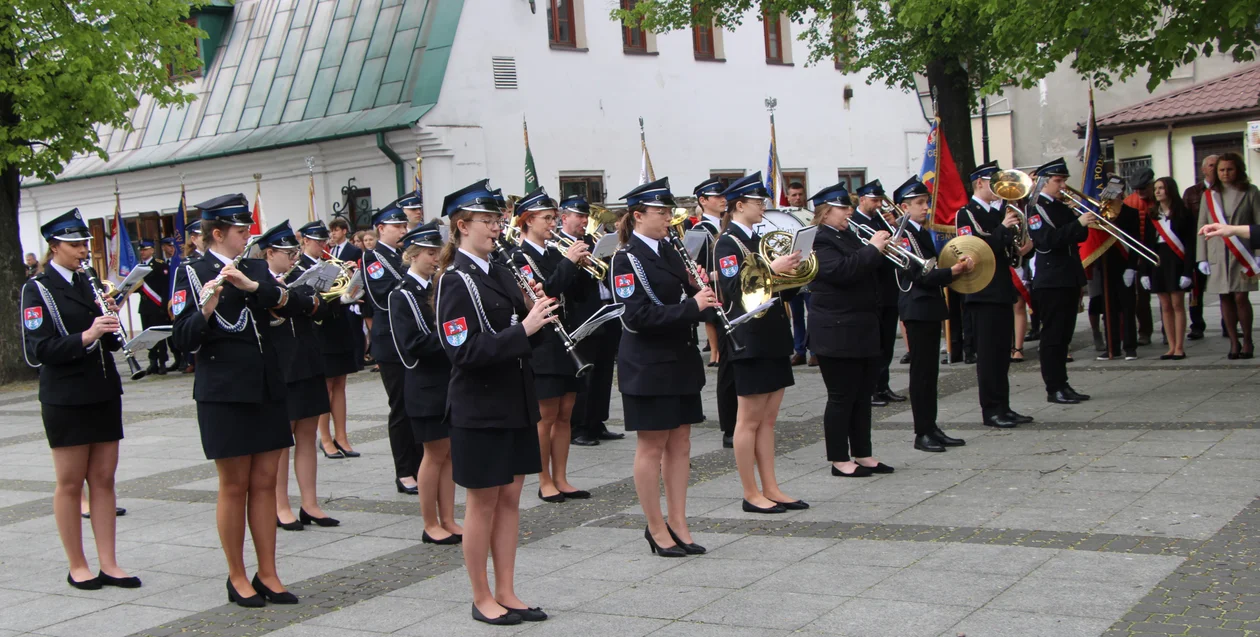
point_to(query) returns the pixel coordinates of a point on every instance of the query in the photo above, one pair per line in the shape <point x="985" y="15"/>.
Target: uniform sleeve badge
<point x="33" y="317"/>
<point x="178" y="301"/>
<point x="905" y="243"/>
<point x="376" y="270"/>
<point x="456" y="331"/>
<point x="729" y="265"/>
<point x="528" y="272"/>
<point x="1034" y="222"/>
<point x="624" y="285"/>
<point x="964" y="231"/>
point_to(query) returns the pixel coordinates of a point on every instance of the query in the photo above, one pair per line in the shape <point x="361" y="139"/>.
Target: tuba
<point x="1010" y="186"/>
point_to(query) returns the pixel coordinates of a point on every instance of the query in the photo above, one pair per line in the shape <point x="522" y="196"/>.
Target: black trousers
<point x="1196" y="303"/>
<point x="887" y="340"/>
<point x="1120" y="322"/>
<point x="402" y="442"/>
<point x="727" y="399"/>
<point x="956" y="322"/>
<point x="590" y="411"/>
<point x="1058" y="322"/>
<point x="994" y="329"/>
<point x="157" y="353"/>
<point x="924" y="340"/>
<point x="357" y="337"/>
<point x="847" y="418"/>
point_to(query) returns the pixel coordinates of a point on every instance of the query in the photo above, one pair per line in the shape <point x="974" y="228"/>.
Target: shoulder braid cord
<point x="472" y="294"/>
<point x="744" y="252"/>
<point x="246" y="316"/>
<point x="1045" y="218"/>
<point x="914" y="245"/>
<point x="642" y="278"/>
<point x="424" y="327"/>
<point x="538" y="276"/>
<point x="388" y="268"/>
<point x="55" y="314"/>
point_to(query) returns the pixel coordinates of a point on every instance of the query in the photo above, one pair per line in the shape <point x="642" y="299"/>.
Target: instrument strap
<point x="538" y="276"/>
<point x="975" y="225"/>
<point x="232" y="328"/>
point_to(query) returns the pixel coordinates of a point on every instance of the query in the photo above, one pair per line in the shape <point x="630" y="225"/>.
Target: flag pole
<point x="310" y="208"/>
<point x="131" y="329"/>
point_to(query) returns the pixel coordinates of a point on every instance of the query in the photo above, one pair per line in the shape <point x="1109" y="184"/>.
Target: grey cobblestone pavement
<point x="1133" y="514"/>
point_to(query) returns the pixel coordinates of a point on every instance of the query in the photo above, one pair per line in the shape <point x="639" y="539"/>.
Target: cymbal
<point x="981" y="254"/>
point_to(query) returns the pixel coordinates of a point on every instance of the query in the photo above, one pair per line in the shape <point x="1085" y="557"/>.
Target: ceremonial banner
<point x="774" y="176"/>
<point x="259" y="225"/>
<point x="1094" y="179"/>
<point x="646" y="174"/>
<point x="941" y="177"/>
<point x="122" y="257"/>
<point x="531" y="175"/>
<point x="178" y="259"/>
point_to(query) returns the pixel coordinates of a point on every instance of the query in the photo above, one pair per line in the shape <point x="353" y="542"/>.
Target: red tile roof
<point x="1226" y="97"/>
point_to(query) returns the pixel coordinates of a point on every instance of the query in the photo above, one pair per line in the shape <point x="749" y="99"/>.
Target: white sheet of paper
<point x="319" y="277"/>
<point x="145" y="340"/>
<point x="694" y="241"/>
<point x="804" y="241"/>
<point x="751" y="314"/>
<point x="606" y="246"/>
<point x="133" y="281"/>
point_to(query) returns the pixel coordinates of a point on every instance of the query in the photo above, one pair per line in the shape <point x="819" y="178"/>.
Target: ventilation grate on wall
<point x="504" y="72"/>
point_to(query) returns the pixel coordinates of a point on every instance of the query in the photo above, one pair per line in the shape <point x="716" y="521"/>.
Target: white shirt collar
<point x="917" y="227"/>
<point x="748" y="232"/>
<point x="275" y="275"/>
<point x="540" y="249"/>
<point x="65" y="273"/>
<point x="983" y="203"/>
<point x="832" y="227"/>
<point x="568" y="235"/>
<point x="225" y="260"/>
<point x="424" y="283"/>
<point x="654" y="244"/>
<point x="481" y="263"/>
<point x="717" y="221"/>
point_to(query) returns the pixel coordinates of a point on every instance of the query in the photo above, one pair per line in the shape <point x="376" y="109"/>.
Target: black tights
<point x="1235" y="309"/>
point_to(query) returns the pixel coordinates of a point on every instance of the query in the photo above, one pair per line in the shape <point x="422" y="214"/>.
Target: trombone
<point x="1105" y="211"/>
<point x="901" y="257"/>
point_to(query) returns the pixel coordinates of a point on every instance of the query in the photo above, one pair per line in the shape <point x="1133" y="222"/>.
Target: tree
<point x="65" y="69"/>
<point x="968" y="48"/>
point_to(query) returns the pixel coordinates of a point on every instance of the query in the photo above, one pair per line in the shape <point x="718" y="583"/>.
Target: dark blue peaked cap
<point x="913" y="187"/>
<point x="389" y="215"/>
<point x="747" y="187"/>
<point x="66" y="227"/>
<point x="536" y="200"/>
<point x="576" y="203"/>
<point x="836" y="195"/>
<point x="233" y="209"/>
<point x="710" y="187"/>
<point x="425" y="235"/>
<point x="984" y="171"/>
<point x="655" y="194"/>
<point x="279" y="236"/>
<point x="314" y="230"/>
<point x="1053" y="168"/>
<point x="475" y="197"/>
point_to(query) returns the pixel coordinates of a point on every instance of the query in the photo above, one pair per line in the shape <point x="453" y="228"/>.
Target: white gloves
<point x="1205" y="268"/>
<point x="1185" y="283"/>
<point x="1146" y="283"/>
<point x="1129" y="276"/>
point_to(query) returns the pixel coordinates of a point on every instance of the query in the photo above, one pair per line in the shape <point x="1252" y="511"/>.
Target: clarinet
<point x="694" y="271"/>
<point x="137" y="372"/>
<point x="522" y="282"/>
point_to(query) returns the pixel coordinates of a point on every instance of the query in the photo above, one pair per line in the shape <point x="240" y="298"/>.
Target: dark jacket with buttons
<point x="52" y="338"/>
<point x="886" y="273"/>
<point x="557" y="275"/>
<point x="382" y="270"/>
<point x="332" y="322"/>
<point x="294" y="332"/>
<point x="769" y="336"/>
<point x="974" y="220"/>
<point x="843" y="319"/>
<point x="492" y="380"/>
<point x="922" y="292"/>
<point x="1056" y="236"/>
<point x="419" y="344"/>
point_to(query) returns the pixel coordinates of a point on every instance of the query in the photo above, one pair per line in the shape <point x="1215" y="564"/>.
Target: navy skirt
<point x="229" y="430"/>
<point x="490" y="457"/>
<point x="755" y="376"/>
<point x="73" y="425"/>
<point x="307" y="398"/>
<point x="661" y="413"/>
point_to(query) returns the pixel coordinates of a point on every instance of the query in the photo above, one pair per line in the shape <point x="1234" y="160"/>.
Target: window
<point x="193" y="72"/>
<point x="1205" y="145"/>
<point x="852" y="177"/>
<point x="726" y="176"/>
<point x="97" y="228"/>
<point x="702" y="44"/>
<point x="560" y="23"/>
<point x="1133" y="165"/>
<point x="590" y="187"/>
<point x="632" y="40"/>
<point x="775" y="40"/>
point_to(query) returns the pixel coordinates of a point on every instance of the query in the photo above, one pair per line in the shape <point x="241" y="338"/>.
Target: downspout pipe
<point x="400" y="169"/>
<point x="1170" y="149"/>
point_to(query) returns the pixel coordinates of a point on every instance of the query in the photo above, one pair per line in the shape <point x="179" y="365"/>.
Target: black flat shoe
<point x="272" y="596"/>
<point x="946" y="440"/>
<point x="1061" y="398"/>
<point x="1165" y="357"/>
<point x="584" y="441"/>
<point x="120" y="582"/>
<point x="1075" y="394"/>
<point x="576" y="495"/>
<point x="1179" y="357"/>
<point x="295" y="525"/>
<point x="905" y="358"/>
<point x="728" y="442"/>
<point x="713" y="364"/>
<point x="255" y="601"/>
<point x="880" y="468"/>
<point x="529" y="614"/>
<point x="929" y="444"/>
<point x="610" y="435"/>
<point x="892" y="396"/>
<point x="336" y="455"/>
<point x="663" y="551"/>
<point x="878" y="401"/>
<point x="506" y="619"/>
<point x="749" y="507"/>
<point x="93" y="584"/>
<point x="118" y="513"/>
<point x="1018" y="418"/>
<point x="795" y="505"/>
<point x="554" y="499"/>
<point x="307" y="518"/>
<point x="402" y="488"/>
<point x="690" y="549"/>
<point x="859" y="472"/>
<point x="1001" y="422"/>
<point x="346" y="452"/>
<point x="446" y="541"/>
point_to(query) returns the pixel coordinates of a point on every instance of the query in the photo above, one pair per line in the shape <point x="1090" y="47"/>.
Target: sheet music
<point x="605" y="247"/>
<point x="133" y="281"/>
<point x="695" y="241"/>
<point x="603" y="315"/>
<point x="144" y="341"/>
<point x="804" y="241"/>
<point x="751" y="314"/>
<point x="319" y="277"/>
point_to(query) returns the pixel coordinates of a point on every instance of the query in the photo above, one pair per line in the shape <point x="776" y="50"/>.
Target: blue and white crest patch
<point x="1034" y="222"/>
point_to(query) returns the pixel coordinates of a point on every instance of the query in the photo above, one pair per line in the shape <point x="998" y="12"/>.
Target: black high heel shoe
<point x="307" y="518"/>
<point x="338" y="455"/>
<point x="663" y="551"/>
<point x="272" y="596"/>
<point x="295" y="525"/>
<point x="402" y="488"/>
<point x="689" y="549"/>
<point x="255" y="601"/>
<point x="346" y="452"/>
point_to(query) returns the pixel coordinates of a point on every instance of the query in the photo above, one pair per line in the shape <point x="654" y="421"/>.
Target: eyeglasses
<point x="489" y="221"/>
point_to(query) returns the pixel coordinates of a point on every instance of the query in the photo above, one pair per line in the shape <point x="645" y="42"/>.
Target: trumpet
<point x="102" y="291"/>
<point x="1081" y="203"/>
<point x="674" y="233"/>
<point x="522" y="282"/>
<point x="901" y="257"/>
<point x="595" y="267"/>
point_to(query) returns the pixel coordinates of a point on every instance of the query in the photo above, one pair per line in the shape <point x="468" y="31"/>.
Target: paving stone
<point x="767" y="609"/>
<point x="660" y="601"/>
<point x="115" y="621"/>
<point x="873" y="553"/>
<point x="383" y="614"/>
<point x="1070" y="597"/>
<point x="998" y="622"/>
<point x="951" y="588"/>
<point x="717" y="573"/>
<point x="33" y="614"/>
<point x="865" y="617"/>
<point x="975" y="558"/>
<point x="771" y="549"/>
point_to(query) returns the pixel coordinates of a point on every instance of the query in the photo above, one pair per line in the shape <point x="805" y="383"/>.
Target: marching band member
<point x="987" y="216"/>
<point x="870" y="198"/>
<point x="428" y="371"/>
<point x="712" y="208"/>
<point x="382" y="270"/>
<point x="180" y="361"/>
<point x="555" y="376"/>
<point x="195" y="247"/>
<point x="413" y="208"/>
<point x="922" y="308"/>
<point x="489" y="332"/>
<point x="340" y="332"/>
<point x="1058" y="278"/>
<point x="583" y="300"/>
<point x="844" y="331"/>
<point x="306" y="393"/>
<point x="1171" y="236"/>
<point x="763" y="370"/>
<point x="239" y="389"/>
<point x="153" y="291"/>
<point x="68" y="337"/>
<point x="659" y="369"/>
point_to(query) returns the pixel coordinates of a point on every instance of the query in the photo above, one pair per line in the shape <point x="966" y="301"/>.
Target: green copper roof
<point x="291" y="72"/>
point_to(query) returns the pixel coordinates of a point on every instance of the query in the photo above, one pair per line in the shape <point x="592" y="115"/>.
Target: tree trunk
<point x="12" y="269"/>
<point x="951" y="86"/>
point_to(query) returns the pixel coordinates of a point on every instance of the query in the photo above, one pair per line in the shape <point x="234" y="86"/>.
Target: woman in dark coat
<point x="1170" y="233"/>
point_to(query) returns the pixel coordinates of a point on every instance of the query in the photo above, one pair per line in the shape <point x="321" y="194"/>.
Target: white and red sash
<point x="1216" y="210"/>
<point x="1164" y="228"/>
<point x="151" y="293"/>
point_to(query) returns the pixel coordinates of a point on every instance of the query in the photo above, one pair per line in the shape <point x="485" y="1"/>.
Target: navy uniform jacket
<point x="581" y="299"/>
<point x="843" y="319"/>
<point x="659" y="354"/>
<point x="295" y="338"/>
<point x="382" y="270"/>
<point x="769" y="336"/>
<point x="153" y="293"/>
<point x="236" y="361"/>
<point x="419" y="344"/>
<point x="557" y="275"/>
<point x="974" y="220"/>
<point x="922" y="292"/>
<point x="886" y="274"/>
<point x="492" y="380"/>
<point x="52" y="338"/>
<point x="332" y="322"/>
<point x="1056" y="236"/>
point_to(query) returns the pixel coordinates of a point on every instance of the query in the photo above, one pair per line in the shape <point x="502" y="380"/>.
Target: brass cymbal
<point x="981" y="254"/>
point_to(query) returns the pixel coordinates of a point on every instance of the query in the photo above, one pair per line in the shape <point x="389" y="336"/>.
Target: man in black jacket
<point x="153" y="293"/>
<point x="870" y="198"/>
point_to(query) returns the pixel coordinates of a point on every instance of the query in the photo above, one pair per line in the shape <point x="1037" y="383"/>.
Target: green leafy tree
<point x="967" y="48"/>
<point x="65" y="69"/>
